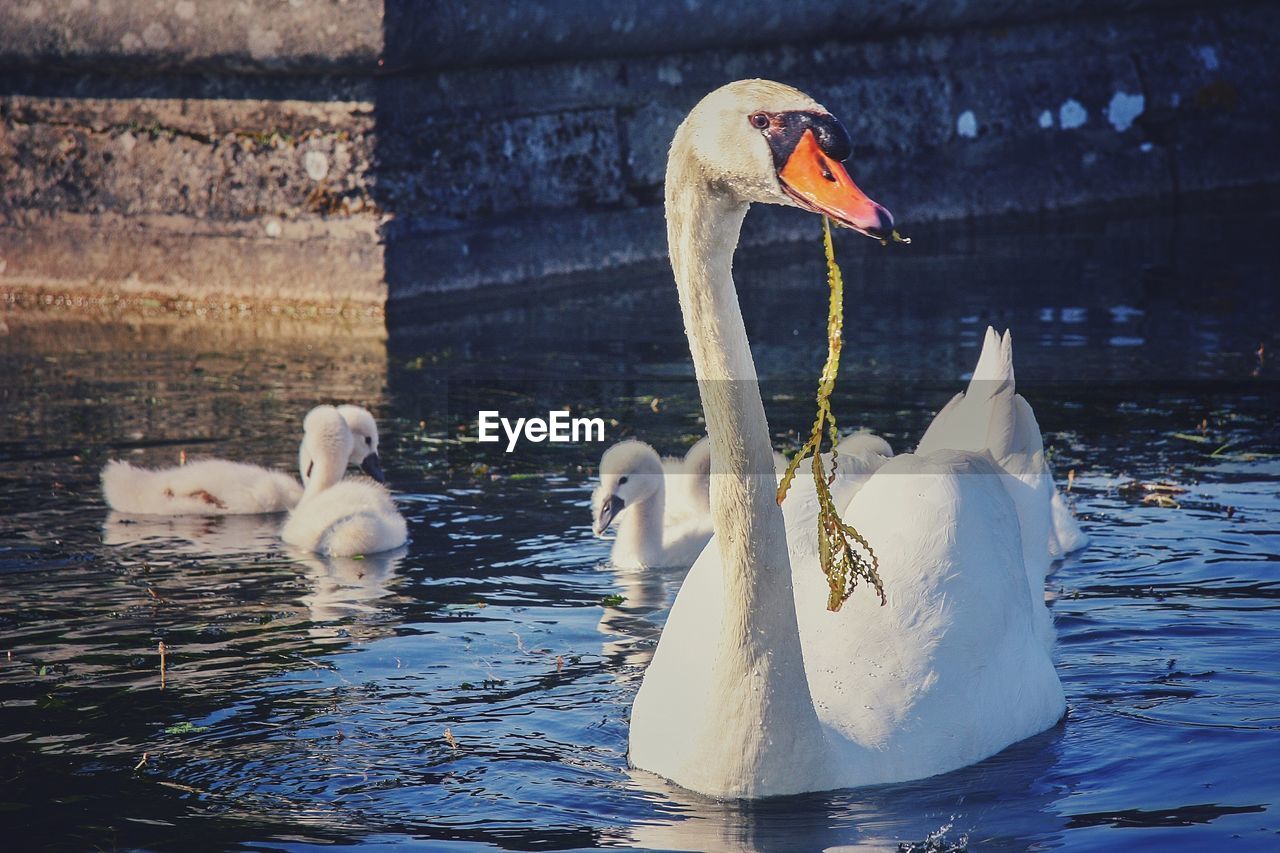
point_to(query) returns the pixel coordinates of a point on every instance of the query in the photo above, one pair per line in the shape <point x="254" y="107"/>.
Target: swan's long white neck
<point x="640" y="530"/>
<point x="325" y="454"/>
<point x="760" y="677"/>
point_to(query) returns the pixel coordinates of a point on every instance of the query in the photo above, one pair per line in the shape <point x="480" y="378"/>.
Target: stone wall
<point x="356" y="152"/>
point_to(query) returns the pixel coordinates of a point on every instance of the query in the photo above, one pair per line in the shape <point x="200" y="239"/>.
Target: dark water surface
<point x="475" y="690"/>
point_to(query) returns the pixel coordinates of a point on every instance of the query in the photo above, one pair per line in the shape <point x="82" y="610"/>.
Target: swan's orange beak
<point x="820" y="184"/>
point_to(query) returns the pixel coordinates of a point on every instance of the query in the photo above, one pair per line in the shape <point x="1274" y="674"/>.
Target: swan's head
<point x="630" y="473"/>
<point x="326" y="448"/>
<point x="765" y="142"/>
<point x="364" y="436"/>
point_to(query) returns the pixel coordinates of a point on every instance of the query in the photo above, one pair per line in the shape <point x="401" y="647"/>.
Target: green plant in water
<point x="845" y="554"/>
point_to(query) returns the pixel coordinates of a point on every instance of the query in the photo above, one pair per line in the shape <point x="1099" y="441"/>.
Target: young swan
<point x="633" y="490"/>
<point x="337" y="517"/>
<point x="223" y="487"/>
<point x="690" y="480"/>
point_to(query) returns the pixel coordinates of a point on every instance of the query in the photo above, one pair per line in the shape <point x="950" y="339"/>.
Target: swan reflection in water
<point x="341" y="588"/>
<point x="630" y="628"/>
<point x="196" y="535"/>
<point x="347" y="587"/>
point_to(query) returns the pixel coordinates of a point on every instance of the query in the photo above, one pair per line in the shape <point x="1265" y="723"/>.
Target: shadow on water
<point x="309" y="700"/>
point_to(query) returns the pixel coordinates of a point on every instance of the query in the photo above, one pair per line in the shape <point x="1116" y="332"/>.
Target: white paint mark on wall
<point x="1072" y="114"/>
<point x="156" y="36"/>
<point x="1123" y="109"/>
<point x="1209" y="57"/>
<point x="264" y="44"/>
<point x="1046" y="119"/>
<point x="967" y="124"/>
<point x="316" y="164"/>
<point x="670" y="73"/>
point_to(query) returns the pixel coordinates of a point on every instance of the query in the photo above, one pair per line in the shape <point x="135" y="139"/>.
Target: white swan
<point x="687" y="489"/>
<point x="755" y="689"/>
<point x="223" y="487"/>
<point x="633" y="491"/>
<point x="337" y="517"/>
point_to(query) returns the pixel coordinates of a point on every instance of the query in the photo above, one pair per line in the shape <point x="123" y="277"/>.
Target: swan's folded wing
<point x="948" y="429"/>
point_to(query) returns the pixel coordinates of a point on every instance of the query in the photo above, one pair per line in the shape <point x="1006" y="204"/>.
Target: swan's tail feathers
<point x="364" y="533"/>
<point x="994" y="370"/>
<point x="1014" y="434"/>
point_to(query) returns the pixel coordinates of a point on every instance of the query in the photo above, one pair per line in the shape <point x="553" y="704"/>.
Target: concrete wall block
<point x="333" y="263"/>
<point x="475" y="166"/>
<point x="199" y="117"/>
<point x="193" y="34"/>
<point x="153" y="170"/>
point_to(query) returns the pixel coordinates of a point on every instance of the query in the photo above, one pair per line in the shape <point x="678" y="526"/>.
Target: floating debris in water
<point x="452" y="741"/>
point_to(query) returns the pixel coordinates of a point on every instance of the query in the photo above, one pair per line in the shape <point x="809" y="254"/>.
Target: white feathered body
<point x="353" y="517"/>
<point x="201" y="487"/>
<point x="951" y="670"/>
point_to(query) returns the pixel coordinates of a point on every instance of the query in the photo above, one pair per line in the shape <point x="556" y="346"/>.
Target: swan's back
<point x="953" y="668"/>
<point x="353" y="517"/>
<point x="201" y="487"/>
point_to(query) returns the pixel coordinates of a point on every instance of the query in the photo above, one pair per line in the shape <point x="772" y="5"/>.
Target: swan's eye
<point x="368" y="439"/>
<point x="759" y="121"/>
<point x="621" y="480"/>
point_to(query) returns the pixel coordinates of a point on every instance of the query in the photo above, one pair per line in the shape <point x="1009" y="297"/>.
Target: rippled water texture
<point x="474" y="688"/>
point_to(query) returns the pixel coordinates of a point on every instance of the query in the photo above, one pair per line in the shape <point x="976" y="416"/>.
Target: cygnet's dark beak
<point x="609" y="509"/>
<point x="373" y="468"/>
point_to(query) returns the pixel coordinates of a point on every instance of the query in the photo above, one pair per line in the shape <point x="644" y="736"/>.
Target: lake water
<point x="474" y="689"/>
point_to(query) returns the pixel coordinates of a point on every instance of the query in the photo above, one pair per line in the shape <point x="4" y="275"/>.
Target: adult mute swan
<point x="633" y="491"/>
<point x="756" y="689"/>
<point x="223" y="487"/>
<point x="337" y="517"/>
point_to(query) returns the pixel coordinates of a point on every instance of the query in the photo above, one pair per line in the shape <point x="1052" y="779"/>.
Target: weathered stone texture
<point x="279" y="35"/>
<point x="138" y="169"/>
<point x="481" y="144"/>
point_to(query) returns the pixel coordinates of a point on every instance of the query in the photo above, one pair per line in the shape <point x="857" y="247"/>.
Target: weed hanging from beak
<point x="845" y="554"/>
